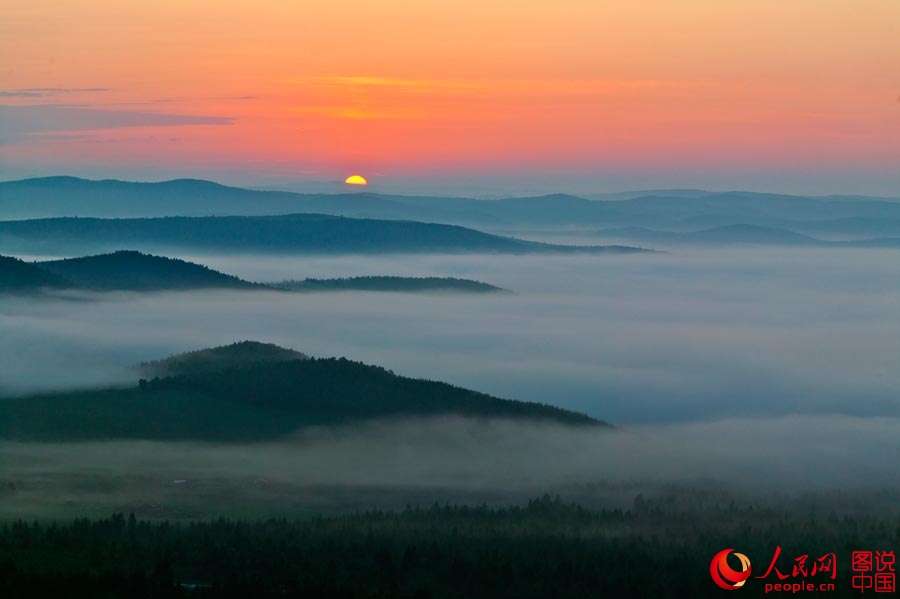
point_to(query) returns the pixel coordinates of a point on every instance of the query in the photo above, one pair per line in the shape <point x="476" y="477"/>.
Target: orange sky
<point x="737" y="93"/>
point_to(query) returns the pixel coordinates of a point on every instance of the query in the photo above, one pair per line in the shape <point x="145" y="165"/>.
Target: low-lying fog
<point x="695" y="335"/>
<point x="827" y="462"/>
<point x="756" y="370"/>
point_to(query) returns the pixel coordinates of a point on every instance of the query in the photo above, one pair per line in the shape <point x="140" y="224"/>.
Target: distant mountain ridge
<point x="228" y="394"/>
<point x="674" y="209"/>
<point x="293" y="233"/>
<point x="740" y="234"/>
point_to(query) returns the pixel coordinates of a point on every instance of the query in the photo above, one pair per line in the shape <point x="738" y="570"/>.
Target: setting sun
<point x="356" y="180"/>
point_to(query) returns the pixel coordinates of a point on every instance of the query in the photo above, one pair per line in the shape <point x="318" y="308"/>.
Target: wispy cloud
<point x="397" y="83"/>
<point x="376" y="97"/>
<point x="43" y="92"/>
<point x="364" y="112"/>
<point x="24" y="123"/>
<point x="426" y="85"/>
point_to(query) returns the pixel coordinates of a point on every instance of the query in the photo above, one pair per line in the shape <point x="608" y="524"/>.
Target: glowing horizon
<point x="805" y="92"/>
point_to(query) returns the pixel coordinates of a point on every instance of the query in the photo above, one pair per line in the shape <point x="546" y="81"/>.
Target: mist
<point x="391" y="463"/>
<point x="679" y="337"/>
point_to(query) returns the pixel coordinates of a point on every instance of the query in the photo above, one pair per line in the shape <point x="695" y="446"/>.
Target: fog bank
<point x="390" y="463"/>
<point x="629" y="339"/>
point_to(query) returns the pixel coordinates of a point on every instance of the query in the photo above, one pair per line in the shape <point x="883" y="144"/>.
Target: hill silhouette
<point x="134" y="271"/>
<point x="256" y="402"/>
<point x="388" y="283"/>
<point x="128" y="270"/>
<point x="242" y="353"/>
<point x="681" y="210"/>
<point x="19" y="276"/>
<point x="293" y="233"/>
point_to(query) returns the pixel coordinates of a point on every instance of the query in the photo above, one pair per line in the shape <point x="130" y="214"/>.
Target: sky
<point x="576" y="96"/>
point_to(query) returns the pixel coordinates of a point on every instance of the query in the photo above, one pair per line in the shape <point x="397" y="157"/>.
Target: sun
<point x="356" y="180"/>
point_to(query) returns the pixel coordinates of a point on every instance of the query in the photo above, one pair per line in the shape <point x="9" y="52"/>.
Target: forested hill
<point x="243" y="353"/>
<point x="134" y="271"/>
<point x="254" y="403"/>
<point x="386" y="283"/>
<point x="17" y="276"/>
<point x="130" y="270"/>
<point x="293" y="233"/>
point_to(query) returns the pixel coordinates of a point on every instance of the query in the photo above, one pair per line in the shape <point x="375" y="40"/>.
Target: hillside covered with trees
<point x="135" y="271"/>
<point x="252" y="402"/>
<point x="18" y="276"/>
<point x="224" y="357"/>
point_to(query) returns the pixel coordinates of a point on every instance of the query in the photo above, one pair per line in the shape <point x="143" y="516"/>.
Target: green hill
<point x="243" y="353"/>
<point x="134" y="271"/>
<point x="253" y="403"/>
<point x="17" y="276"/>
<point x="385" y="283"/>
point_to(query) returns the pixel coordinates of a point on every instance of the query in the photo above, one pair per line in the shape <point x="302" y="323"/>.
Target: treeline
<point x="258" y="402"/>
<point x="236" y="355"/>
<point x="123" y="270"/>
<point x="338" y="390"/>
<point x="545" y="549"/>
<point x="389" y="283"/>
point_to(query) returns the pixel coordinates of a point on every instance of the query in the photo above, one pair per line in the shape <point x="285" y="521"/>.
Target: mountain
<point x="127" y="270"/>
<point x="736" y="235"/>
<point x="296" y="233"/>
<point x="857" y="227"/>
<point x="552" y="209"/>
<point x="243" y="353"/>
<point x="741" y="205"/>
<point x="71" y="196"/>
<point x="19" y="276"/>
<point x="134" y="271"/>
<point x="681" y="210"/>
<point x="255" y="402"/>
<point x="384" y="283"/>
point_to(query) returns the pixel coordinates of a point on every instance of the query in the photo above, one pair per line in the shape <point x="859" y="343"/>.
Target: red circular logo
<point x="724" y="576"/>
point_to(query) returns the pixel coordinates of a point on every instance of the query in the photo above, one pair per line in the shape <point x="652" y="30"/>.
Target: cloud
<point x="550" y="85"/>
<point x="43" y="92"/>
<point x="404" y="84"/>
<point x="28" y="123"/>
<point x="364" y="113"/>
